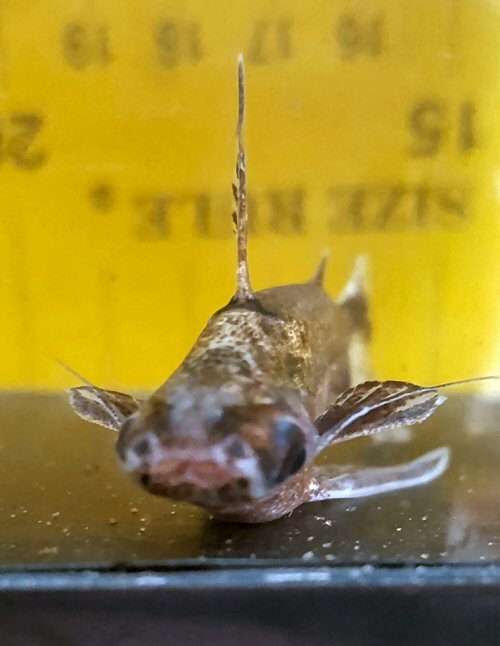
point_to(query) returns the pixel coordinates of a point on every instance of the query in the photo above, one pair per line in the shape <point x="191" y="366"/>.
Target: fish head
<point x="217" y="450"/>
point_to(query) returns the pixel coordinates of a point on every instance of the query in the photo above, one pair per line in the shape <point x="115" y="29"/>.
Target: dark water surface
<point x="64" y="501"/>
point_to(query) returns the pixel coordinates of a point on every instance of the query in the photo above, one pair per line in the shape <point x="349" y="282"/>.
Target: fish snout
<point x="189" y="464"/>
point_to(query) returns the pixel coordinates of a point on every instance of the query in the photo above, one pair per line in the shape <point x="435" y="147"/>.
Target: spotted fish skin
<point x="245" y="398"/>
<point x="265" y="388"/>
<point x="296" y="340"/>
<point x="258" y="374"/>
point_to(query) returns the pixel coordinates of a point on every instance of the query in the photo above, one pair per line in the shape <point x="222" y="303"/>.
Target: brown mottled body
<point x="298" y="338"/>
<point x="327" y="335"/>
<point x="264" y="390"/>
<point x="290" y="346"/>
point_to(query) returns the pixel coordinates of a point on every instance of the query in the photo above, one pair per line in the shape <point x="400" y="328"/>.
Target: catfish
<point x="270" y="383"/>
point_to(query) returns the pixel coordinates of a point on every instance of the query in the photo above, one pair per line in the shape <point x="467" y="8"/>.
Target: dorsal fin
<point x="318" y="278"/>
<point x="356" y="285"/>
<point x="244" y="292"/>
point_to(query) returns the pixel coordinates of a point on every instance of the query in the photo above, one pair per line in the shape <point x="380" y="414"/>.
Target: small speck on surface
<point x="48" y="551"/>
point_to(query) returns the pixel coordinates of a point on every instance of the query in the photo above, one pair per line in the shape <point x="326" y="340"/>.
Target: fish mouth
<point x="204" y="482"/>
<point x="216" y="496"/>
<point x="202" y="473"/>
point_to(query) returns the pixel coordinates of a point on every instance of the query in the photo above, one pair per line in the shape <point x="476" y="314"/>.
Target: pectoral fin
<point x="333" y="482"/>
<point x="107" y="408"/>
<point x="376" y="406"/>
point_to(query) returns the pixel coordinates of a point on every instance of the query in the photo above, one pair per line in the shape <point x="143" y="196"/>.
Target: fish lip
<point x="207" y="467"/>
<point x="210" y="499"/>
<point x="206" y="477"/>
<point x="207" y="473"/>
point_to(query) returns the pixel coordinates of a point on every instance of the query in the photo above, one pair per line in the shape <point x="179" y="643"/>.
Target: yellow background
<point x="137" y="104"/>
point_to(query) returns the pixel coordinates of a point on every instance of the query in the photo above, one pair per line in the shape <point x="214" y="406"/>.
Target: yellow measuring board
<point x="372" y="127"/>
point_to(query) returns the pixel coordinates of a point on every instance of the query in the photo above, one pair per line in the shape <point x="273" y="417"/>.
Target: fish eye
<point x="289" y="440"/>
<point x="287" y="432"/>
<point x="142" y="447"/>
<point x="234" y="448"/>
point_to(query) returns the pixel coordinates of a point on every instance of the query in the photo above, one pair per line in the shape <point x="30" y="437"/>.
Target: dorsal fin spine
<point x="244" y="290"/>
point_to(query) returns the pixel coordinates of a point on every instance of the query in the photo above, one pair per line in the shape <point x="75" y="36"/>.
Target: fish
<point x="274" y="378"/>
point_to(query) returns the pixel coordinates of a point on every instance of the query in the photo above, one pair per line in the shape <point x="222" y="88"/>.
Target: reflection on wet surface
<point x="64" y="500"/>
